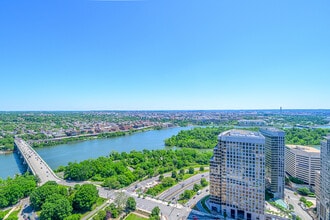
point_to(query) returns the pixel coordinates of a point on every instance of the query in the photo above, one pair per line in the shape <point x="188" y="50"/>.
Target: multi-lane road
<point x="38" y="166"/>
<point x="174" y="192"/>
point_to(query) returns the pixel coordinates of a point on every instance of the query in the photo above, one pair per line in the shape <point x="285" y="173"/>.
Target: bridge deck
<point x="37" y="165"/>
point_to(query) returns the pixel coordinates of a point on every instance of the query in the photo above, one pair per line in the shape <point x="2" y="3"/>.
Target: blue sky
<point x="164" y="54"/>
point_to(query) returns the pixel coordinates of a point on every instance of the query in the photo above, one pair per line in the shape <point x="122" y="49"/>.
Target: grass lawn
<point x="3" y="213"/>
<point x="132" y="216"/>
<point x="13" y="215"/>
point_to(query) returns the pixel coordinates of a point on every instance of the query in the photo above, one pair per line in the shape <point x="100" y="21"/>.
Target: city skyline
<point x="164" y="55"/>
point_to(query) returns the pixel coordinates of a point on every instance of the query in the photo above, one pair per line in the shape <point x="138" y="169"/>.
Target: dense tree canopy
<point x="201" y="138"/>
<point x="122" y="169"/>
<point x="85" y="197"/>
<point x="305" y="136"/>
<point x="155" y="212"/>
<point x="207" y="137"/>
<point x="58" y="202"/>
<point x="14" y="189"/>
<point x="130" y="204"/>
<point x="56" y="207"/>
<point x="40" y="195"/>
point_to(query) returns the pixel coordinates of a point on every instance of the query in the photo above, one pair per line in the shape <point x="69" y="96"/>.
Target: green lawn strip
<point x="14" y="215"/>
<point x="133" y="216"/>
<point x="185" y="176"/>
<point x="4" y="213"/>
<point x="183" y="201"/>
<point x="100" y="201"/>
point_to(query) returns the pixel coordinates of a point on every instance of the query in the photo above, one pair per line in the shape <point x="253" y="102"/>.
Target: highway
<point x="174" y="192"/>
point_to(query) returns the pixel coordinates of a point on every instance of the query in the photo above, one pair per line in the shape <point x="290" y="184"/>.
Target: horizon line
<point x="150" y="110"/>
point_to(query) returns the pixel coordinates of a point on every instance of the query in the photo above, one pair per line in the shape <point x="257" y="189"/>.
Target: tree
<point x="167" y="181"/>
<point x="174" y="174"/>
<point x="73" y="217"/>
<point x="13" y="189"/>
<point x="191" y="170"/>
<point x="155" y="213"/>
<point x="101" y="215"/>
<point x="130" y="204"/>
<point x="204" y="182"/>
<point x="112" y="211"/>
<point x="112" y="183"/>
<point x="196" y="187"/>
<point x="201" y="168"/>
<point x="56" y="207"/>
<point x="291" y="207"/>
<point x="120" y="200"/>
<point x="181" y="171"/>
<point x="302" y="199"/>
<point x="85" y="197"/>
<point x="187" y="194"/>
<point x="39" y="196"/>
<point x="304" y="191"/>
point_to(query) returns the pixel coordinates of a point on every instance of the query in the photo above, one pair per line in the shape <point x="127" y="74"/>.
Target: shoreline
<point x="6" y="151"/>
<point x="66" y="140"/>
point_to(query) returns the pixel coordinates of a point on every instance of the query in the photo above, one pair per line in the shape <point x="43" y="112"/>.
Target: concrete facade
<point x="237" y="175"/>
<point x="302" y="162"/>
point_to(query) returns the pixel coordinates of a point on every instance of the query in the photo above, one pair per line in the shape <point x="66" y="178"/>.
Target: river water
<point x="59" y="155"/>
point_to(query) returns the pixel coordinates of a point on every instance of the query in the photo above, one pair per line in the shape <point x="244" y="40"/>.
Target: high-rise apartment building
<point x="274" y="160"/>
<point x="323" y="197"/>
<point x="237" y="175"/>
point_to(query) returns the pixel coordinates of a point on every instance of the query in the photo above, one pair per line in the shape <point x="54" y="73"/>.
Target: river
<point x="63" y="154"/>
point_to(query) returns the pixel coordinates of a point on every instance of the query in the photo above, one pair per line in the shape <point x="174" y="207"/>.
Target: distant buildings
<point x="252" y="123"/>
<point x="302" y="162"/>
<point x="323" y="196"/>
<point x="237" y="175"/>
<point x="274" y="160"/>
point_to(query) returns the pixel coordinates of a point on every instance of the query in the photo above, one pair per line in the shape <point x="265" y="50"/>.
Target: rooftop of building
<point x="241" y="133"/>
<point x="251" y="120"/>
<point x="272" y="131"/>
<point x="302" y="148"/>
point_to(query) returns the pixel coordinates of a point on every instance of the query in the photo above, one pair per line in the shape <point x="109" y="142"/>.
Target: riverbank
<point x="85" y="137"/>
<point x="62" y="154"/>
<point x="6" y="151"/>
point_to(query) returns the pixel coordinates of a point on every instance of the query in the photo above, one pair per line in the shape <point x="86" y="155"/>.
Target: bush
<point x="304" y="191"/>
<point x="296" y="180"/>
<point x="302" y="199"/>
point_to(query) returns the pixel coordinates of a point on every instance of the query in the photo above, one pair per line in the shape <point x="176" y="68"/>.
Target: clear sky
<point x="164" y="54"/>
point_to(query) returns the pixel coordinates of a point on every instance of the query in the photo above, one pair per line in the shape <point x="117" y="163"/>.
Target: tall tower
<point x="323" y="199"/>
<point x="274" y="161"/>
<point x="237" y="175"/>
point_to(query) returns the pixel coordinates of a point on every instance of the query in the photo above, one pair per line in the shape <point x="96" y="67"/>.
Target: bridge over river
<point x="35" y="163"/>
